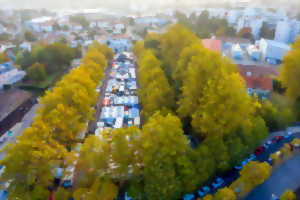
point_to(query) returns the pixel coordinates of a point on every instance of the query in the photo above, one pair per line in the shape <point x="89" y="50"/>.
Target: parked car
<point x="219" y="181"/>
<point x="277" y="139"/>
<point x="239" y="167"/>
<point x="259" y="150"/>
<point x="267" y="144"/>
<point x="251" y="158"/>
<point x="189" y="197"/>
<point x="203" y="191"/>
<point x="288" y="135"/>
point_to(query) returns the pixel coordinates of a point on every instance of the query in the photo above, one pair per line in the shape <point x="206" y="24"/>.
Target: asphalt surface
<point x="18" y="128"/>
<point x="287" y="176"/>
<point x="233" y="174"/>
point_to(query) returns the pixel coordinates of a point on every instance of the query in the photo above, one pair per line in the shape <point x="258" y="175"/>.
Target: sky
<point x="89" y="3"/>
<point x="124" y="4"/>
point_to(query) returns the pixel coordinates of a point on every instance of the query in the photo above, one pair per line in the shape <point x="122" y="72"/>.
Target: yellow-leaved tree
<point x="155" y="92"/>
<point x="213" y="94"/>
<point x="290" y="71"/>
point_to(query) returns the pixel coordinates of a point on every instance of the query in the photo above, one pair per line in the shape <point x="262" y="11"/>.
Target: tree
<point x="163" y="146"/>
<point x="29" y="163"/>
<point x="252" y="175"/>
<point x="56" y="26"/>
<point x="290" y="71"/>
<point x="172" y="43"/>
<point x="156" y="93"/>
<point x="36" y="72"/>
<point x="266" y="32"/>
<point x="3" y="58"/>
<point x="288" y="195"/>
<point x="80" y="19"/>
<point x="246" y="33"/>
<point x="95" y="56"/>
<point x="5" y="37"/>
<point x="225" y="194"/>
<point x="103" y="48"/>
<point x="214" y="95"/>
<point x="29" y="36"/>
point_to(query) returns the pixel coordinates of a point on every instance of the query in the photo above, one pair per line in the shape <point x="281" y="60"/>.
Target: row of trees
<point x="204" y="25"/>
<point x="47" y="144"/>
<point x="211" y="102"/>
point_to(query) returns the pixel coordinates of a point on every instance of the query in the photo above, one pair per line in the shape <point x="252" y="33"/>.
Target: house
<point x="10" y="77"/>
<point x="282" y="33"/>
<point x="273" y="51"/>
<point x="41" y="24"/>
<point x="256" y="83"/>
<point x="213" y="44"/>
<point x="254" y="23"/>
<point x="26" y="46"/>
<point x="119" y="43"/>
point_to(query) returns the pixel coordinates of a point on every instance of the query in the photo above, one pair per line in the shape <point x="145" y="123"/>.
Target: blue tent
<point x="3" y="194"/>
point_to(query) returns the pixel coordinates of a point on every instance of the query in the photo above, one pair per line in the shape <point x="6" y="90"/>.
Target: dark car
<point x="277" y="139"/>
<point x="259" y="150"/>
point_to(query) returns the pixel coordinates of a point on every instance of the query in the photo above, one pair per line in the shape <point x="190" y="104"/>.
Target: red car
<point x="277" y="139"/>
<point x="259" y="150"/>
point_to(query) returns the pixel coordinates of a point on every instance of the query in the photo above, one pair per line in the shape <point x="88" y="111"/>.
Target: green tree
<point x="80" y="19"/>
<point x="29" y="36"/>
<point x="36" y="72"/>
<point x="288" y="195"/>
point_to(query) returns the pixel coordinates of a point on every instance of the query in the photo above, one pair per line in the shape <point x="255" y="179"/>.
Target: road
<point x="19" y="127"/>
<point x="233" y="174"/>
<point x="287" y="176"/>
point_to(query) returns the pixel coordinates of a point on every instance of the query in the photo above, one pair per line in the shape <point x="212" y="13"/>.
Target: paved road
<point x="287" y="176"/>
<point x="19" y="127"/>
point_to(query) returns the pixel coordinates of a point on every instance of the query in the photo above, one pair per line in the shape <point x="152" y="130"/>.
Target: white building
<point x="295" y="30"/>
<point x="11" y="77"/>
<point x="273" y="51"/>
<point x="233" y="16"/>
<point x="40" y="24"/>
<point x="282" y="33"/>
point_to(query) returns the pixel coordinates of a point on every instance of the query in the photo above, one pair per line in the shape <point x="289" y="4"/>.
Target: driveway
<point x="287" y="176"/>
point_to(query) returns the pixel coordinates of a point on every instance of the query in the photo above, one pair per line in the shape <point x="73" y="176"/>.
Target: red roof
<point x="258" y="82"/>
<point x="260" y="70"/>
<point x="212" y="44"/>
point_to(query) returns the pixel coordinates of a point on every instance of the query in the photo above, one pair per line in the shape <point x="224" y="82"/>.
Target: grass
<point x="39" y="88"/>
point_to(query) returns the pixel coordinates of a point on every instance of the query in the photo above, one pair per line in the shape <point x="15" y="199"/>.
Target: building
<point x="295" y="30"/>
<point x="119" y="43"/>
<point x="272" y="51"/>
<point x="258" y="80"/>
<point x="282" y="33"/>
<point x="213" y="44"/>
<point x="10" y="77"/>
<point x="255" y="23"/>
<point x="41" y="24"/>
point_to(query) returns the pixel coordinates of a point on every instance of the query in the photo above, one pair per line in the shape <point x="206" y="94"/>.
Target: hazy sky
<point x="125" y="4"/>
<point x="89" y="3"/>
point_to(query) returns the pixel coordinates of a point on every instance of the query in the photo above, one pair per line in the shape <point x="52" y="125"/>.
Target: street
<point x="287" y="176"/>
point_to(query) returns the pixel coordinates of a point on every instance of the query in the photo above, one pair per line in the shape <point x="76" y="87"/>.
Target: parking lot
<point x="119" y="107"/>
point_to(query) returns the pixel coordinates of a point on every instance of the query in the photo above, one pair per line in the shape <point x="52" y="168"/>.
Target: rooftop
<point x="212" y="44"/>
